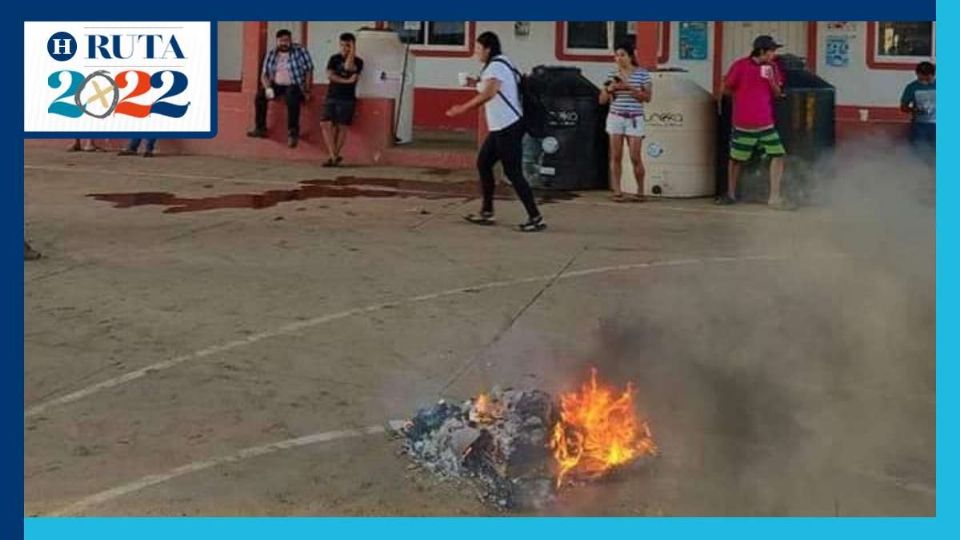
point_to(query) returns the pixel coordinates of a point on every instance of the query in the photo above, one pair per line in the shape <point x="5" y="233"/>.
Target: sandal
<point x="617" y="197"/>
<point x="330" y="163"/>
<point x="483" y="218"/>
<point x="533" y="225"/>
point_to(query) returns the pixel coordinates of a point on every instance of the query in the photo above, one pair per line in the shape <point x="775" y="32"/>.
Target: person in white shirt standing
<point x="499" y="94"/>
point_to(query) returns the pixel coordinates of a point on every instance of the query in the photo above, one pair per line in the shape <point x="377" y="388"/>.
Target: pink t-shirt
<point x="752" y="95"/>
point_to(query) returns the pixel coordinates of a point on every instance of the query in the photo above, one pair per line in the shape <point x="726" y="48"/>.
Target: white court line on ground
<point x="247" y="453"/>
<point x="77" y="395"/>
<point x="142" y="483"/>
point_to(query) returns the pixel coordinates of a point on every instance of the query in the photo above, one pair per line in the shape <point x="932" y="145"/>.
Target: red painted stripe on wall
<point x="430" y="106"/>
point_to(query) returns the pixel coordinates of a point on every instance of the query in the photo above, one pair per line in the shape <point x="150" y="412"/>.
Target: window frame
<point x="596" y="55"/>
<point x="898" y="63"/>
<point x="448" y="51"/>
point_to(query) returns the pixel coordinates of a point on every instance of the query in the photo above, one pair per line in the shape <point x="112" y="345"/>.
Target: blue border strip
<point x="209" y="134"/>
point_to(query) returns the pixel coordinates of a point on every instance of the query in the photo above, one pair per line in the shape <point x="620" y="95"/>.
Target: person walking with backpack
<point x="499" y="94"/>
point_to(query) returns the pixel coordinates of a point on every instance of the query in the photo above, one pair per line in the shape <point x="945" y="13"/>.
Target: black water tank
<point x="805" y="119"/>
<point x="575" y="149"/>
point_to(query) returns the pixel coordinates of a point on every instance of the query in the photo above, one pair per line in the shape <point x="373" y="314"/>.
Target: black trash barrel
<point x="806" y="121"/>
<point x="575" y="149"/>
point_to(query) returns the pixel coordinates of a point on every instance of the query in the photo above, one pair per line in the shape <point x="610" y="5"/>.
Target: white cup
<point x="766" y="71"/>
<point x="270" y="93"/>
<point x="463" y="78"/>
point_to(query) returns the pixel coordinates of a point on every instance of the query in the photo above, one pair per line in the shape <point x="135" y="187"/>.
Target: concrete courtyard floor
<point x="242" y="358"/>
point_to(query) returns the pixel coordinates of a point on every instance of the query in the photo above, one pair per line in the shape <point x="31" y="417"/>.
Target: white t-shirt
<point x="283" y="75"/>
<point x="499" y="114"/>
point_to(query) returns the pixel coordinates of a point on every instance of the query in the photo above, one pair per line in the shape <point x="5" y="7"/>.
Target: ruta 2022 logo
<point x="98" y="93"/>
<point x="119" y="77"/>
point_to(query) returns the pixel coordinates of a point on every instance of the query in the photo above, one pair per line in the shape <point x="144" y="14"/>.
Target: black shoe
<point x="292" y="141"/>
<point x="724" y="200"/>
<point x="483" y="218"/>
<point x="257" y="134"/>
<point x="533" y="225"/>
<point x="127" y="152"/>
<point x="148" y="153"/>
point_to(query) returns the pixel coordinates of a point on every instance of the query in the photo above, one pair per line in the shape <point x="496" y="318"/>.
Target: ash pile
<point x="497" y="442"/>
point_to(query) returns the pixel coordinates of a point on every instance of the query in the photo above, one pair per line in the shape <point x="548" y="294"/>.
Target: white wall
<point x="526" y="52"/>
<point x="856" y="83"/>
<point x="229" y="51"/>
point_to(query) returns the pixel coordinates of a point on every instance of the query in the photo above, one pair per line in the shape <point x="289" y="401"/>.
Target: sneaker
<point x="127" y="152"/>
<point x="724" y="200"/>
<point x="148" y="153"/>
<point x="292" y="142"/>
<point x="533" y="225"/>
<point x="783" y="204"/>
<point x="483" y="218"/>
<point x="257" y="134"/>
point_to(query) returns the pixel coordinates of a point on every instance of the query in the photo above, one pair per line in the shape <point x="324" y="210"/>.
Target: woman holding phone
<point x="627" y="89"/>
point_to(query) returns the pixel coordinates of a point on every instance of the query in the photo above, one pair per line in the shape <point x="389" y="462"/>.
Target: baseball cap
<point x="766" y="43"/>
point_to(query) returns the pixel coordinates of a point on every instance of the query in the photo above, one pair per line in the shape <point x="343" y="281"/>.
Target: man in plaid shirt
<point x="288" y="73"/>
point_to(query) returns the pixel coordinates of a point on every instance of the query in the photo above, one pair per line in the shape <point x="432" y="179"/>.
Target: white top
<point x="283" y="76"/>
<point x="499" y="114"/>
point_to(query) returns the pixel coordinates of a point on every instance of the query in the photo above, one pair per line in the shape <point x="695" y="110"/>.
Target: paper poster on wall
<point x="693" y="40"/>
<point x="838" y="51"/>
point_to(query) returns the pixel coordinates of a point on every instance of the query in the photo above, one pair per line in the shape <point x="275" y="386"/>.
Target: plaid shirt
<point x="300" y="64"/>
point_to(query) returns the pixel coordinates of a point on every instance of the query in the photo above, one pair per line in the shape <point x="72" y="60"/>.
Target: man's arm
<point x="776" y="81"/>
<point x="332" y="75"/>
<point x="264" y="77"/>
<point x="906" y="100"/>
<point x="308" y="71"/>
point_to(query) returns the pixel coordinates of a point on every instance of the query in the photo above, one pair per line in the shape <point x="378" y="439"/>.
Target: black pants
<point x="505" y="146"/>
<point x="293" y="96"/>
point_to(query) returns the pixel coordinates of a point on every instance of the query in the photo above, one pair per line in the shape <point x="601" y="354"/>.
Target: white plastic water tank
<point x="388" y="72"/>
<point x="680" y="142"/>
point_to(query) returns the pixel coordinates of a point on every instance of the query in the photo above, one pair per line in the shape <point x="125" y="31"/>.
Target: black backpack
<point x="534" y="116"/>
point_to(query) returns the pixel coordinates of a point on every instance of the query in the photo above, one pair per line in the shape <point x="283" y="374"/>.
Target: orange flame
<point x="597" y="431"/>
<point x="485" y="409"/>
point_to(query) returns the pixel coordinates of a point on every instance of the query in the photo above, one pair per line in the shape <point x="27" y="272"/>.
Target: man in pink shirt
<point x="755" y="82"/>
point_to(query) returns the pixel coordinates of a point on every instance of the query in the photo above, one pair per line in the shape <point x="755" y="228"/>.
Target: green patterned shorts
<point x="743" y="143"/>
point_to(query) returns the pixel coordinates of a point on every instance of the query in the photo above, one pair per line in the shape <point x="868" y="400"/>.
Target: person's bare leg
<point x="733" y="174"/>
<point x="616" y="164"/>
<point x="341" y="138"/>
<point x="776" y="176"/>
<point x="329" y="140"/>
<point x="635" y="145"/>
